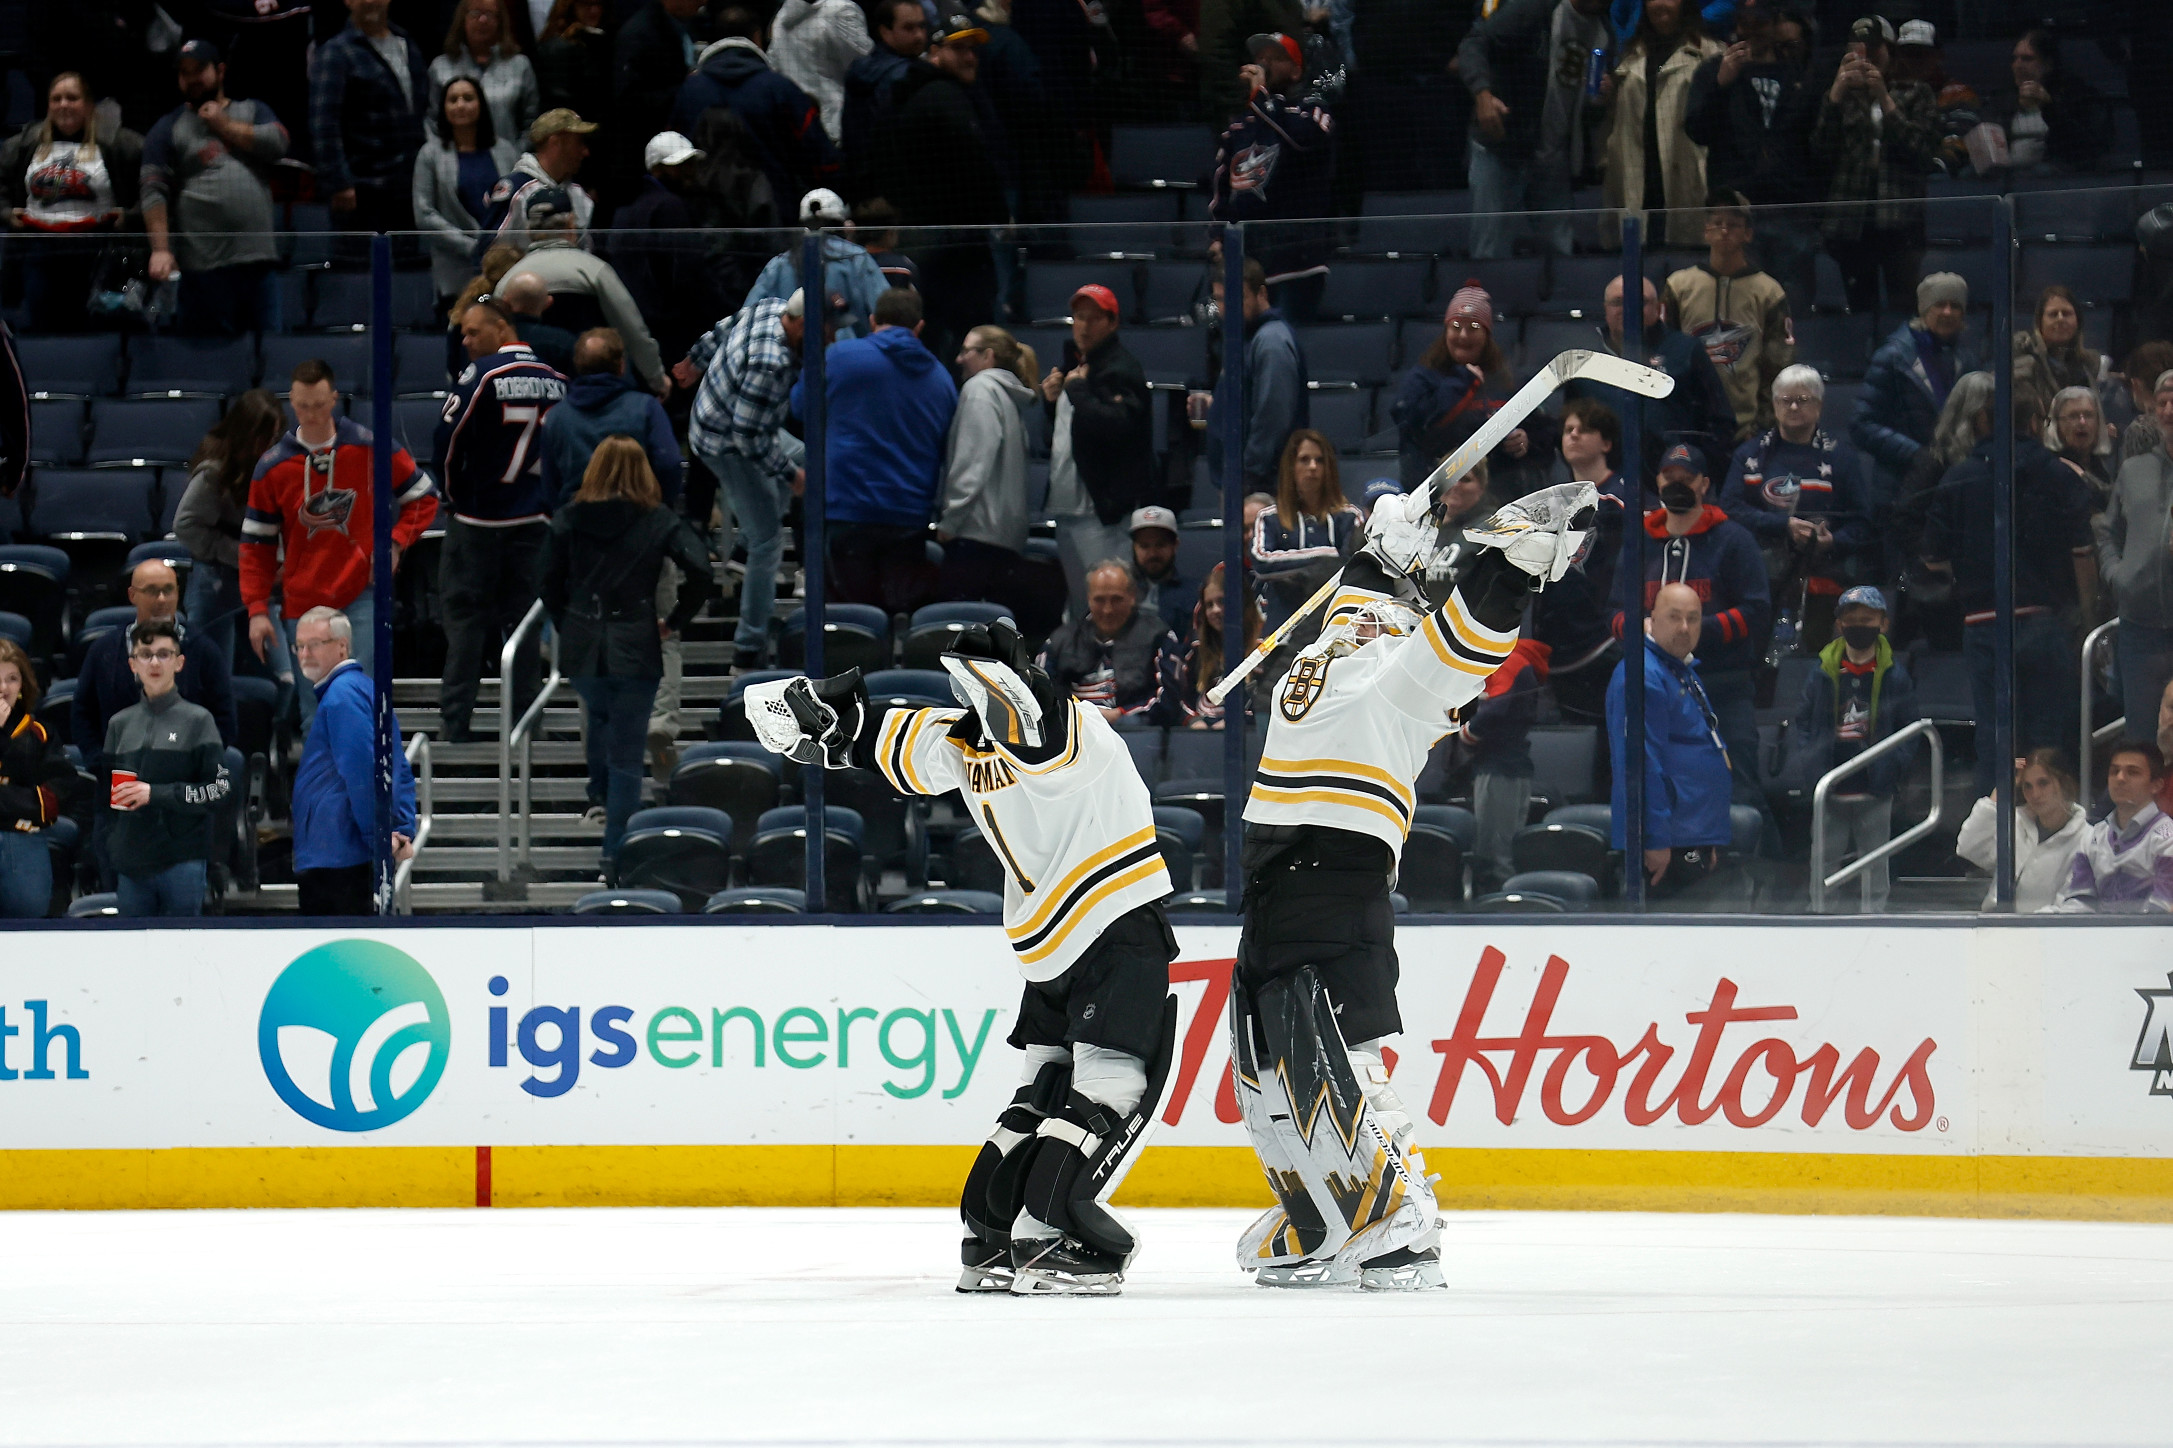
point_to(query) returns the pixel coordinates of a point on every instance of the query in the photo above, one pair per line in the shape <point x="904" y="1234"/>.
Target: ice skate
<point x="1063" y="1267"/>
<point x="987" y="1265"/>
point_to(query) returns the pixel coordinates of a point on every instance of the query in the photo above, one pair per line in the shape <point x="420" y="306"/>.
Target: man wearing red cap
<point x="1276" y="162"/>
<point x="1101" y="441"/>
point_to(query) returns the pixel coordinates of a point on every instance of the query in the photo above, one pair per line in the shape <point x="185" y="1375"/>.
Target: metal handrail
<point x="2086" y="745"/>
<point x="523" y="734"/>
<point x="403" y="878"/>
<point x="1820" y="884"/>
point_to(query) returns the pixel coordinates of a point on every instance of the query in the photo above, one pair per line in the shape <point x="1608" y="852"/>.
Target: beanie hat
<point x="1941" y="287"/>
<point x="1473" y="304"/>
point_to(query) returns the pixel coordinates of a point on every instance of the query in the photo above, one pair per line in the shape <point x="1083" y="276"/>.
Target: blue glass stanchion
<point x="1231" y="416"/>
<point x="814" y="313"/>
<point x="1631" y="575"/>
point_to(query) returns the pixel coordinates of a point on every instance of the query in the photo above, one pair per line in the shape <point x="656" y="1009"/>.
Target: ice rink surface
<point x="745" y="1326"/>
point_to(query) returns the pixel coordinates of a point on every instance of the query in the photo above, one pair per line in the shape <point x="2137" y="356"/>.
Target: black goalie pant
<point x="1111" y="996"/>
<point x="1318" y="896"/>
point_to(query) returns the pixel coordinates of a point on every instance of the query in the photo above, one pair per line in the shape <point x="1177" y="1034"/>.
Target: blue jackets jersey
<point x="1772" y="480"/>
<point x="489" y="453"/>
<point x="335" y="786"/>
<point x="1721" y="563"/>
<point x="889" y="407"/>
<point x="1686" y="770"/>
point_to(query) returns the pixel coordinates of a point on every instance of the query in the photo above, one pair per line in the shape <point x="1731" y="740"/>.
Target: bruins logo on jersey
<point x="1302" y="690"/>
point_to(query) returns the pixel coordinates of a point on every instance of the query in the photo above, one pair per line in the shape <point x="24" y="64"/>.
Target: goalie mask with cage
<point x="1352" y="629"/>
<point x="994" y="675"/>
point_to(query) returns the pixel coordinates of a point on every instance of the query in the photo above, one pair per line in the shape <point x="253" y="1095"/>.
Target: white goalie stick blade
<point x="1009" y="712"/>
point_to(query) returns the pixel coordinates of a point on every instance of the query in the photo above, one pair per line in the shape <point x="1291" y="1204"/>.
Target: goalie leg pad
<point x="996" y="1186"/>
<point x="1085" y="1148"/>
<point x="1331" y="1152"/>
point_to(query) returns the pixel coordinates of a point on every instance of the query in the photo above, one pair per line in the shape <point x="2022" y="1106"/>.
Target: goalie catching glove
<point x="809" y="721"/>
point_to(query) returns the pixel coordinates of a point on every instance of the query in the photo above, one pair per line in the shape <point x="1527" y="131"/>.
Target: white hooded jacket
<point x="812" y="44"/>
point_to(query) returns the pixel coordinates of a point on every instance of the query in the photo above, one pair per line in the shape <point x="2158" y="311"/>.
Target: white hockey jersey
<point x="1076" y="833"/>
<point x="1348" y="736"/>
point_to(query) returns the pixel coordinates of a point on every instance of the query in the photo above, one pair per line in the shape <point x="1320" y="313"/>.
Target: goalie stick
<point x="1576" y="365"/>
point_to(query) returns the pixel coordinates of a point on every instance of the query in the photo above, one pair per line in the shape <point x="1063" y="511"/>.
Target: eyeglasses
<point x="1463" y="326"/>
<point x="156" y="656"/>
<point x="1780" y="401"/>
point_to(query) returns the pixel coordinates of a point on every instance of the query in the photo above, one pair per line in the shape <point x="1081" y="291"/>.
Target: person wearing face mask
<point x="1691" y="541"/>
<point x="1859" y="694"/>
<point x="2048" y="827"/>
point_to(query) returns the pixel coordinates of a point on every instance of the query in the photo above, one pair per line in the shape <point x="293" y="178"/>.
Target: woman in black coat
<point x="599" y="585"/>
<point x="37" y="786"/>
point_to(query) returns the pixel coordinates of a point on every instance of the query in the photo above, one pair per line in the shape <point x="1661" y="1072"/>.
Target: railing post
<point x="814" y="317"/>
<point x="2086" y="746"/>
<point x="1630" y="575"/>
<point x="387" y="737"/>
<point x="1234" y="582"/>
<point x="2003" y="563"/>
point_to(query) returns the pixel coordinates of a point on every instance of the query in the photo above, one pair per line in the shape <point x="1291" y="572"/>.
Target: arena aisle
<point x="685" y="1327"/>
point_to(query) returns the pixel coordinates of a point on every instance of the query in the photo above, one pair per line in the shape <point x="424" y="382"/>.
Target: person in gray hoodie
<point x="981" y="519"/>
<point x="2136" y="558"/>
<point x="604" y="402"/>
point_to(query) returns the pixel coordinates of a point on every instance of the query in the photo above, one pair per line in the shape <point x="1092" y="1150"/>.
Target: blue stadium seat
<point x="1575" y="891"/>
<point x="414" y="302"/>
<point x="854" y="635"/>
<point x="1563" y="759"/>
<point x="684" y="849"/>
<point x="1432" y="873"/>
<point x="1453" y="820"/>
<point x="1132" y="209"/>
<point x="1517" y="902"/>
<point x="87" y="907"/>
<point x="1344" y="413"/>
<point x="33" y="583"/>
<point x="779" y="855"/>
<point x="87" y="366"/>
<point x="167" y="550"/>
<point x="1414" y="223"/>
<point x="418" y="364"/>
<point x="741" y="779"/>
<point x="1518" y="284"/>
<point x="1157" y="156"/>
<point x="1145" y="747"/>
<point x="1169" y="354"/>
<point x="136" y="432"/>
<point x="1169" y="289"/>
<point x="294" y="299"/>
<point x="415" y="425"/>
<point x="341" y="300"/>
<point x="180" y="366"/>
<point x="628" y="902"/>
<point x="757" y="900"/>
<point x="922" y="688"/>
<point x="1364" y="289"/>
<point x="1838" y="346"/>
<point x="118" y="506"/>
<point x="17" y="628"/>
<point x="1548" y="338"/>
<point x="1573" y="847"/>
<point x="1199" y="547"/>
<point x="932" y="628"/>
<point x="2100" y="276"/>
<point x="947" y="902"/>
<point x="348" y="356"/>
<point x="1579" y="284"/>
<point x="1348" y="351"/>
<point x="973" y="864"/>
<point x="1199" y="901"/>
<point x="56" y="432"/>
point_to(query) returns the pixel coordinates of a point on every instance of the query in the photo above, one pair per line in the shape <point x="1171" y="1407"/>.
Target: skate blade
<point x="1039" y="1282"/>
<point x="1404" y="1277"/>
<point x="1310" y="1274"/>
<point x="985" y="1279"/>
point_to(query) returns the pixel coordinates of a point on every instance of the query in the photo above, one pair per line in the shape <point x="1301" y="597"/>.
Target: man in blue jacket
<point x="1910" y="376"/>
<point x="789" y="142"/>
<point x="1858" y="695"/>
<point x="335" y="786"/>
<point x="1686" y="826"/>
<point x="889" y="405"/>
<point x="1697" y="411"/>
<point x="1690" y="541"/>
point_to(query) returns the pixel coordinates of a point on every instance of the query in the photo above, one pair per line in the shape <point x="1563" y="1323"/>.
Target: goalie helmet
<point x="1352" y="631"/>
<point x="993" y="675"/>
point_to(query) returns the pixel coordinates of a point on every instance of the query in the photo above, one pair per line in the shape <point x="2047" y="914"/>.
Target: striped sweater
<point x="1075" y="833"/>
<point x="2121" y="871"/>
<point x="1348" y="736"/>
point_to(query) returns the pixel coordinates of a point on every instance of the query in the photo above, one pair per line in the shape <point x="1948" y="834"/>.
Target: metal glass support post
<point x="1630" y="573"/>
<point x="1232" y="420"/>
<point x="2003" y="561"/>
<point x="387" y="741"/>
<point x="814" y="313"/>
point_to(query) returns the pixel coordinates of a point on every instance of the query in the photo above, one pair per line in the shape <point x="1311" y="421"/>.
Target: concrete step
<point x="472" y="862"/>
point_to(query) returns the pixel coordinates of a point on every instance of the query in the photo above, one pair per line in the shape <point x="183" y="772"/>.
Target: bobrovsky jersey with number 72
<point x="1348" y="736"/>
<point x="1075" y="833"/>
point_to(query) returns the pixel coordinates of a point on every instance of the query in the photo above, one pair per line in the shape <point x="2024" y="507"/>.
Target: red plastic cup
<point x="121" y="777"/>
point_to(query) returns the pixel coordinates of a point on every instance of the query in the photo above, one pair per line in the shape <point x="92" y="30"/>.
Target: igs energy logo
<point x="354" y="1035"/>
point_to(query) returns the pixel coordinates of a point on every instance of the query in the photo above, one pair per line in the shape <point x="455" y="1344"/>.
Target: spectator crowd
<point x="606" y="199"/>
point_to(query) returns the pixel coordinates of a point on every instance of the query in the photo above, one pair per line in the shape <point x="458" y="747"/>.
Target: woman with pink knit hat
<point x="1460" y="383"/>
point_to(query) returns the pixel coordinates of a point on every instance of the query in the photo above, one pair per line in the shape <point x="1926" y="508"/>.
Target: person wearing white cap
<point x="812" y="44"/>
<point x="657" y="251"/>
<point x="1154" y="569"/>
<point x="847" y="269"/>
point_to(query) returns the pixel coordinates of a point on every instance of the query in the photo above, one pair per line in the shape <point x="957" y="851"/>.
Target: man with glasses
<point x="1805" y="495"/>
<point x="165" y="776"/>
<point x="335" y="786"/>
<point x="106" y="684"/>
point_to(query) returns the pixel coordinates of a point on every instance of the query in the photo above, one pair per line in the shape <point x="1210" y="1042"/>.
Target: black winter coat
<point x="599" y="586"/>
<point x="936" y="159"/>
<point x="37" y="783"/>
<point x="1112" y="432"/>
<point x="1760" y="150"/>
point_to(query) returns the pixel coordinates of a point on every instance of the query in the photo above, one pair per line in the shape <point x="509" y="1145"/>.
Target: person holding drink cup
<point x="166" y="777"/>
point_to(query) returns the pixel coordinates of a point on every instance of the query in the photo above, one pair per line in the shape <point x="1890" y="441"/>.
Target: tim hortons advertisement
<point x="1944" y="1041"/>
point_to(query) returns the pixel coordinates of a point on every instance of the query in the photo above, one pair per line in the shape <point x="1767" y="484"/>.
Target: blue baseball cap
<point x="1682" y="455"/>
<point x="1863" y="595"/>
<point x="1380" y="488"/>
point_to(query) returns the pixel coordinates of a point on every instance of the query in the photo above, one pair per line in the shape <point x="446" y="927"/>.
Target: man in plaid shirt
<point x="748" y="363"/>
<point x="1880" y="141"/>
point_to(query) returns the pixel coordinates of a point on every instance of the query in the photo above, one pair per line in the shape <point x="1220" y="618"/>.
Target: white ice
<point x="686" y="1327"/>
